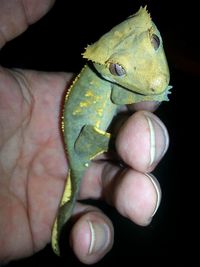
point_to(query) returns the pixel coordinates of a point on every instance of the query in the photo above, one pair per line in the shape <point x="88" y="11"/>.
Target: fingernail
<point x="158" y="192"/>
<point x="99" y="237"/>
<point x="158" y="139"/>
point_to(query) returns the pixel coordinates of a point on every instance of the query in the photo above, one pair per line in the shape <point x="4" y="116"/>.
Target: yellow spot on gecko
<point x="92" y="96"/>
<point x="62" y="125"/>
<point x="76" y="111"/>
<point x="83" y="104"/>
<point x="102" y="132"/>
<point x="97" y="124"/>
<point x="68" y="190"/>
<point x="100" y="112"/>
<point x="89" y="93"/>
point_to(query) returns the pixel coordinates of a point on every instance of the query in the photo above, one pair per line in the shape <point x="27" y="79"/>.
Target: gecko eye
<point x="155" y="41"/>
<point x="116" y="69"/>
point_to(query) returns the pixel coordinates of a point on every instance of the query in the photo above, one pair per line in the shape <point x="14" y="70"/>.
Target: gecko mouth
<point x="166" y="90"/>
<point x="130" y="90"/>
<point x="163" y="96"/>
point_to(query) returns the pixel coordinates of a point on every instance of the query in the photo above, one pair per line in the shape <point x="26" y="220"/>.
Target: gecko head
<point x="132" y="55"/>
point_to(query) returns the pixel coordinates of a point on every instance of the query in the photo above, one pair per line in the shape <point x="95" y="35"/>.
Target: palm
<point x="33" y="164"/>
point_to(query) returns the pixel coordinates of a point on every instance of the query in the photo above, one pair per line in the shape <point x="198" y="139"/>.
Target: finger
<point x="145" y="105"/>
<point x="26" y="12"/>
<point x="134" y="194"/>
<point x="92" y="235"/>
<point x="142" y="141"/>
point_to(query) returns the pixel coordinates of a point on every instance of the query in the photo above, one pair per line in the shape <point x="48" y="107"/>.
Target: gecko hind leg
<point x="92" y="142"/>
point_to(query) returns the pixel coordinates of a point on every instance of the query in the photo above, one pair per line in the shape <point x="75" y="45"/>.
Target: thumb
<point x="16" y="16"/>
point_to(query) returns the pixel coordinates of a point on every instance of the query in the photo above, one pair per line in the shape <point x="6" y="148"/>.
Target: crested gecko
<point x="125" y="66"/>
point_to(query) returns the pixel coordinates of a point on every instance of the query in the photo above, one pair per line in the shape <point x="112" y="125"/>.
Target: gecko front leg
<point x="92" y="142"/>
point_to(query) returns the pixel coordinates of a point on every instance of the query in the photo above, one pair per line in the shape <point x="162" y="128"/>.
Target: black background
<point x="55" y="43"/>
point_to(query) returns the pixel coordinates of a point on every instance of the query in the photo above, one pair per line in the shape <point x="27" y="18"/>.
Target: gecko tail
<point x="64" y="213"/>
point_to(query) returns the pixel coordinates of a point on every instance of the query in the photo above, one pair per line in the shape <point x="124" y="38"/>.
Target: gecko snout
<point x="159" y="84"/>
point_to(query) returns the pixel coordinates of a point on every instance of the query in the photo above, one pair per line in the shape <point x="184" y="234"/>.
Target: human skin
<point x="33" y="163"/>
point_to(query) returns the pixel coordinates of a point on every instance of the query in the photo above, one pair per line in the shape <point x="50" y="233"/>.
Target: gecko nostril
<point x="152" y="89"/>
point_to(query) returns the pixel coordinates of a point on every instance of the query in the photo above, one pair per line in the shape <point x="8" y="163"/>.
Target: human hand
<point x="33" y="164"/>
